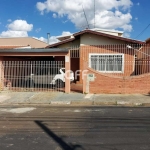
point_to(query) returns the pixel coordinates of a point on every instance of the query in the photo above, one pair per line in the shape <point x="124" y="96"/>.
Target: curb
<point x="146" y="104"/>
<point x="60" y="103"/>
<point x="80" y="103"/>
<point x="98" y="103"/>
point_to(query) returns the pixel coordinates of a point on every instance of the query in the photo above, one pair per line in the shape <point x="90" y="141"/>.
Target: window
<point x="107" y="62"/>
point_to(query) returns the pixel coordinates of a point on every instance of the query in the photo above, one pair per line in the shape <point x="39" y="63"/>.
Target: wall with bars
<point x="129" y="59"/>
<point x="135" y="78"/>
<point x="142" y="64"/>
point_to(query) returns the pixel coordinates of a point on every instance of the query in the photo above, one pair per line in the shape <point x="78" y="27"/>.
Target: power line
<point x="143" y="31"/>
<point x="94" y="13"/>
<point x="85" y="17"/>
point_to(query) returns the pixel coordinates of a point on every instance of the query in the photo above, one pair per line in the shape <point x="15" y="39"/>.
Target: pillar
<point x="67" y="76"/>
<point x="1" y="74"/>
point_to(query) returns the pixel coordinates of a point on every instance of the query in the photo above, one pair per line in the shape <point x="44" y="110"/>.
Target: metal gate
<point x="32" y="75"/>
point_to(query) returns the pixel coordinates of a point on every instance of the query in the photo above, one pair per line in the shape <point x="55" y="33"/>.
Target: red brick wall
<point x="119" y="85"/>
<point x="117" y="49"/>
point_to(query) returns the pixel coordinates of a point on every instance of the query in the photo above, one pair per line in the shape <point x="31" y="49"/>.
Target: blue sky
<point x="35" y="18"/>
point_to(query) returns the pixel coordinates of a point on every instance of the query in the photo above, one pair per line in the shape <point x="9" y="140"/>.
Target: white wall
<point x="91" y="39"/>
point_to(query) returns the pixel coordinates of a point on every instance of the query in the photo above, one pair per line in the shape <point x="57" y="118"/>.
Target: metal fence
<point x="117" y="60"/>
<point x="32" y="76"/>
<point x="116" y="69"/>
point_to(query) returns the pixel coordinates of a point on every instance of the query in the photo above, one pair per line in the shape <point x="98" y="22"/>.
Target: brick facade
<point x="120" y="49"/>
<point x="117" y="83"/>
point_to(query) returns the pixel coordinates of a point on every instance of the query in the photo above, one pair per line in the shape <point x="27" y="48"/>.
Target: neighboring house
<point x="16" y="42"/>
<point x="143" y="58"/>
<point x="105" y="54"/>
<point x="21" y="43"/>
<point x="144" y="52"/>
<point x="10" y="47"/>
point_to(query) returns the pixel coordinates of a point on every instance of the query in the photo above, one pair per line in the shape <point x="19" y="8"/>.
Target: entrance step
<point x="77" y="88"/>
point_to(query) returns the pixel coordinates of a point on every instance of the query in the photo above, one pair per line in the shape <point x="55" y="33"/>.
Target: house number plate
<point x="91" y="77"/>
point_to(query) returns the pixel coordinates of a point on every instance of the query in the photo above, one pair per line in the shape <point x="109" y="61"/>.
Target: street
<point x="74" y="128"/>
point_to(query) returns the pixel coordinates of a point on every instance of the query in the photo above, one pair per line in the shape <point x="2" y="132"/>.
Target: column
<point x="1" y="74"/>
<point x="67" y="69"/>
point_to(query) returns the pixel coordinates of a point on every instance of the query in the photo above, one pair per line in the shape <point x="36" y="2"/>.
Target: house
<point x="103" y="61"/>
<point x="17" y="42"/>
<point x="109" y="58"/>
<point x="24" y="56"/>
<point x="143" y="59"/>
<point x="20" y="43"/>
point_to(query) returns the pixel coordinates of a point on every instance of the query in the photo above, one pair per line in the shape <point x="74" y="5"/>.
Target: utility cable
<point x="142" y="31"/>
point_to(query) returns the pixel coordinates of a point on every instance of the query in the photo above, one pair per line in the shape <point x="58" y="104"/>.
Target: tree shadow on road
<point x="60" y="141"/>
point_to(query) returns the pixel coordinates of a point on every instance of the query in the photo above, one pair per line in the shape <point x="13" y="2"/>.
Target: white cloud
<point x="14" y="34"/>
<point x="136" y="18"/>
<point x="38" y="30"/>
<point x="66" y="33"/>
<point x="65" y="21"/>
<point x="9" y="20"/>
<point x="20" y="25"/>
<point x="127" y="35"/>
<point x="53" y="39"/>
<point x="110" y="14"/>
<point x="54" y="15"/>
<point x="17" y="28"/>
<point x="41" y="39"/>
<point x="138" y="4"/>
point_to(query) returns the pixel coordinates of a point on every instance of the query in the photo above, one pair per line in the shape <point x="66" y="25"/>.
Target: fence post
<point x="1" y="74"/>
<point x="67" y="76"/>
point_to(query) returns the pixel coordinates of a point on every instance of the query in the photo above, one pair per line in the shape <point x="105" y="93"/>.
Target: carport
<point x="19" y="55"/>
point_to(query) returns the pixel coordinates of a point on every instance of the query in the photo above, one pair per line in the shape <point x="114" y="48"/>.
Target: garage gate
<point x="32" y="76"/>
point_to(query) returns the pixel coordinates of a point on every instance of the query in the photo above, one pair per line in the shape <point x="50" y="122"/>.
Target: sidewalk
<point x="73" y="99"/>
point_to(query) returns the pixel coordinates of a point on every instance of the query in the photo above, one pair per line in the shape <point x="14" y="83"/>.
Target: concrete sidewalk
<point x="74" y="99"/>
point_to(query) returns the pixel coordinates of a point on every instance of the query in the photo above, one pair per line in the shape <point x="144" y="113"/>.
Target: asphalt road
<point x="75" y="128"/>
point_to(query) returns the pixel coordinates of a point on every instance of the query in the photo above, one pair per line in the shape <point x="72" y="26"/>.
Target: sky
<point x="36" y="18"/>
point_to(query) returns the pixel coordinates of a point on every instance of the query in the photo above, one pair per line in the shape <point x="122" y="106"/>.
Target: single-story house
<point x="109" y="59"/>
<point x="104" y="60"/>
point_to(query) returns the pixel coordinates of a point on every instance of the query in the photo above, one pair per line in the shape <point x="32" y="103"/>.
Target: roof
<point x="148" y="40"/>
<point x="23" y="38"/>
<point x="64" y="37"/>
<point x="107" y="30"/>
<point x="23" y="41"/>
<point x="10" y="46"/>
<point x="99" y="34"/>
<point x="50" y="50"/>
<point x="59" y="43"/>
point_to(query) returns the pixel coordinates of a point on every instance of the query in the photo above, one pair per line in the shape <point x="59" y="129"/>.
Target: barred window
<point x="107" y="62"/>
